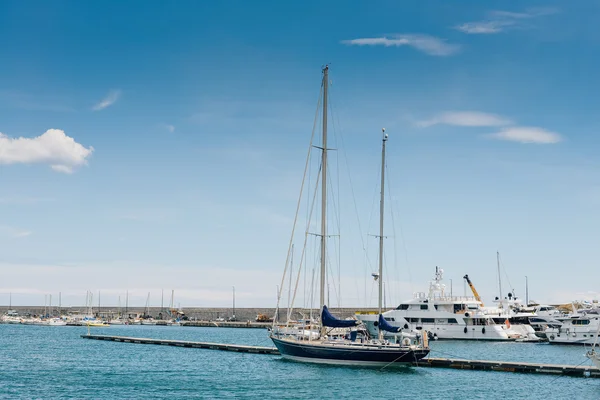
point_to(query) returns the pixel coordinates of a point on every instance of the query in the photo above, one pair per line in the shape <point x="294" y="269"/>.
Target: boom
<point x="477" y="297"/>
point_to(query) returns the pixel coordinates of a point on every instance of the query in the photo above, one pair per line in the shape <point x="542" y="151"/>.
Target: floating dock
<point x="430" y="362"/>
<point x="184" y="343"/>
<point x="510" y="366"/>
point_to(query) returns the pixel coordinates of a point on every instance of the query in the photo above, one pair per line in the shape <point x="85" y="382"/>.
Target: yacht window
<point x="403" y="307"/>
<point x="436" y="306"/>
<point x="452" y="321"/>
<point x="427" y="320"/>
<point x="390" y="319"/>
<point x="458" y="307"/>
<point x="581" y="322"/>
<point x="423" y="306"/>
<point x="544" y="309"/>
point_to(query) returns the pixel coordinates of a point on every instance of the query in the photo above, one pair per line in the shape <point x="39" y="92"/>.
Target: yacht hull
<point x="347" y="354"/>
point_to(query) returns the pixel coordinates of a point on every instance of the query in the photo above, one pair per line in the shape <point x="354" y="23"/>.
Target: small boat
<point x="579" y="328"/>
<point x="55" y="322"/>
<point x="93" y="322"/>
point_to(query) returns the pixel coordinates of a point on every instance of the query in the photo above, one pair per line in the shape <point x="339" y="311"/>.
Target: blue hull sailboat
<point x="346" y="342"/>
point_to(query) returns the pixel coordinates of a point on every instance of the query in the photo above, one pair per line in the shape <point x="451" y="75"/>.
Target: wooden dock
<point x="430" y="362"/>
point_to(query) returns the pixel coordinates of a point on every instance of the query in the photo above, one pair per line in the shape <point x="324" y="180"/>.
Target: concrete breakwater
<point x="192" y="313"/>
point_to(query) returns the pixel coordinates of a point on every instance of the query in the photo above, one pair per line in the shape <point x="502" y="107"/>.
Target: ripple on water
<point x="54" y="362"/>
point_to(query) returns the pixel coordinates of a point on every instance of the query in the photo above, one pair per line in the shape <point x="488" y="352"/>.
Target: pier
<point x="228" y="324"/>
<point x="430" y="362"/>
<point x="184" y="343"/>
<point x="511" y="366"/>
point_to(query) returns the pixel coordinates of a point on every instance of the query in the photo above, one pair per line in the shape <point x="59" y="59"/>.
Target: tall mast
<point x="324" y="190"/>
<point x="499" y="279"/>
<point x="233" y="309"/>
<point x="381" y="202"/>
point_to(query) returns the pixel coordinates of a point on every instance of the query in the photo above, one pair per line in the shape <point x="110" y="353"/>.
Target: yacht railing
<point x="439" y="297"/>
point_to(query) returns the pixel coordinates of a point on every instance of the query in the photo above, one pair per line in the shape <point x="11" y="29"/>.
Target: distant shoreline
<point x="193" y="313"/>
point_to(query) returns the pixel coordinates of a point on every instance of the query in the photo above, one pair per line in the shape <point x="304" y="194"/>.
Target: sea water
<point x="55" y="362"/>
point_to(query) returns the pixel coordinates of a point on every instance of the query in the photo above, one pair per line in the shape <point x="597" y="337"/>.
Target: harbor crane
<point x="477" y="297"/>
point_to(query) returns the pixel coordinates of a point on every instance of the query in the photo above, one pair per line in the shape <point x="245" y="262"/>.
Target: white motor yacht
<point x="450" y="317"/>
<point x="578" y="328"/>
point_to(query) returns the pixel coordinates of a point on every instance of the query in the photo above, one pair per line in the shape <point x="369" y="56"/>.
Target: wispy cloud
<point x="527" y="134"/>
<point x="427" y="44"/>
<point x="6" y="230"/>
<point x="465" y="118"/>
<point x="110" y="99"/>
<point x="521" y="134"/>
<point x="498" y="20"/>
<point x="170" y="128"/>
<point x="53" y="147"/>
<point x="484" y="27"/>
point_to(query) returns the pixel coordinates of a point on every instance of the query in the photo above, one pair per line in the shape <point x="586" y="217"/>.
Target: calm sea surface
<point x="54" y="362"/>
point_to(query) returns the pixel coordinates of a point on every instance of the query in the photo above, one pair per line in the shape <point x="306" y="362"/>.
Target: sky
<point x="162" y="147"/>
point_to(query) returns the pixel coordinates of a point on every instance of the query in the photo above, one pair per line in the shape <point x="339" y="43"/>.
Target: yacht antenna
<point x="526" y="291"/>
<point x="499" y="279"/>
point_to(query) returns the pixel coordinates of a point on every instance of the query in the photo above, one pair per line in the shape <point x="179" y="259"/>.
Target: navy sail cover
<point x="385" y="326"/>
<point x="329" y="320"/>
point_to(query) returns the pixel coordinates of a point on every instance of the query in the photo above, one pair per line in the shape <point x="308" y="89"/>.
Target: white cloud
<point x="425" y="43"/>
<point x="53" y="147"/>
<point x="484" y="27"/>
<point x="465" y="118"/>
<point x="170" y="128"/>
<point x="21" y="234"/>
<point x="500" y="20"/>
<point x="62" y="168"/>
<point x="527" y="134"/>
<point x="10" y="231"/>
<point x="529" y="13"/>
<point x="110" y="99"/>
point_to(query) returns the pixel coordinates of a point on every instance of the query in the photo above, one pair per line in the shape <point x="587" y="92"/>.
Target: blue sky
<point x="162" y="146"/>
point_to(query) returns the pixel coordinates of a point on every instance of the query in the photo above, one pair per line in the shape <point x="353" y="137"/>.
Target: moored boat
<point x="353" y="345"/>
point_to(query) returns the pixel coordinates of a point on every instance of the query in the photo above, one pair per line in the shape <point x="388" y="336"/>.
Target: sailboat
<point x="356" y="347"/>
<point x="148" y="320"/>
